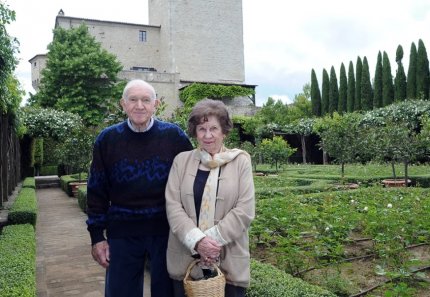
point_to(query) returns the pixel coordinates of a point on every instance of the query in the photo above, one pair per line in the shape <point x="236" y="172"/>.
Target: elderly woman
<point x="210" y="202"/>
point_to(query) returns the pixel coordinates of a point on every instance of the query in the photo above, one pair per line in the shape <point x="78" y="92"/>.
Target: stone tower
<point x="202" y="40"/>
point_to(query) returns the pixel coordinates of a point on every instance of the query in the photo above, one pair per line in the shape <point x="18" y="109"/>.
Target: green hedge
<point x="18" y="261"/>
<point x="268" y="281"/>
<point x="82" y="198"/>
<point x="24" y="209"/>
<point x="49" y="170"/>
<point x="65" y="180"/>
<point x="29" y="182"/>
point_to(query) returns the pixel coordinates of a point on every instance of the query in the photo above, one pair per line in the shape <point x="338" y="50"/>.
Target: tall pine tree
<point x="387" y="81"/>
<point x="315" y="95"/>
<point x="343" y="89"/>
<point x="358" y="72"/>
<point x="366" y="87"/>
<point x="423" y="74"/>
<point x="377" y="84"/>
<point x="333" y="95"/>
<point x="411" y="82"/>
<point x="351" y="88"/>
<point x="400" y="80"/>
<point x="325" y="93"/>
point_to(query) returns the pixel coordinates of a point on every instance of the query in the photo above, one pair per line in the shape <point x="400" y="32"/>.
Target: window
<point x="142" y="36"/>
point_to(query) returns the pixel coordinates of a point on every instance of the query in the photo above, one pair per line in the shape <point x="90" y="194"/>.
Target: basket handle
<point x="193" y="263"/>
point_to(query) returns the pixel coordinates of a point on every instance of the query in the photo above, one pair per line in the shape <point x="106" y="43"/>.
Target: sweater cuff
<point x="191" y="239"/>
<point x="214" y="233"/>
<point x="96" y="235"/>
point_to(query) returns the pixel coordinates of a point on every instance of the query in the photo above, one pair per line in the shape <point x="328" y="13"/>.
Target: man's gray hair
<point x="138" y="82"/>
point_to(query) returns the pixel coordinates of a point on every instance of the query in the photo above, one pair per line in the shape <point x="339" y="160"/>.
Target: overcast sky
<point x="283" y="40"/>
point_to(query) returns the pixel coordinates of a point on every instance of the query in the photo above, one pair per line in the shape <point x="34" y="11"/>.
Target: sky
<point x="283" y="40"/>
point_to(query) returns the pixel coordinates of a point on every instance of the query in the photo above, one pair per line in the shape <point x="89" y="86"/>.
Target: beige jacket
<point x="235" y="209"/>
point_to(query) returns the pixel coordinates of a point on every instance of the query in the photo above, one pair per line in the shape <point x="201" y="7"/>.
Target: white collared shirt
<point x="151" y="123"/>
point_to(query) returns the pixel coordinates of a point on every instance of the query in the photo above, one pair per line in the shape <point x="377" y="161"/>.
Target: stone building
<point x="184" y="42"/>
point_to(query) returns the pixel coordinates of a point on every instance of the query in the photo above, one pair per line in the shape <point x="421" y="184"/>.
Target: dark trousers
<point x="124" y="277"/>
<point x="230" y="290"/>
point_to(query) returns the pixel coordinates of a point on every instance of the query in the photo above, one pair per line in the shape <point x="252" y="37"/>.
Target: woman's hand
<point x="209" y="250"/>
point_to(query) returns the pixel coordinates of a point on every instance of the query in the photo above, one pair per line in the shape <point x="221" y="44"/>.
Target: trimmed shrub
<point x="29" y="182"/>
<point x="82" y="198"/>
<point x="49" y="170"/>
<point x="18" y="261"/>
<point x="268" y="281"/>
<point x="65" y="180"/>
<point x="24" y="209"/>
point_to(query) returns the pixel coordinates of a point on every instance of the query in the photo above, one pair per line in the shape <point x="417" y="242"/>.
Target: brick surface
<point x="64" y="266"/>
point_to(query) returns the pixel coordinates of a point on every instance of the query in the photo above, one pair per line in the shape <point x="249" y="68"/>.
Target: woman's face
<point x="210" y="136"/>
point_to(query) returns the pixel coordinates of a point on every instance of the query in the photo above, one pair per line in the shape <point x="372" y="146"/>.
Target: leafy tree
<point x="8" y="62"/>
<point x="377" y="87"/>
<point x="340" y="137"/>
<point x="358" y="73"/>
<point x="411" y="83"/>
<point x="303" y="128"/>
<point x="301" y="106"/>
<point x="333" y="94"/>
<point x="276" y="151"/>
<point x="80" y="76"/>
<point x="325" y="93"/>
<point x="423" y="73"/>
<point x="49" y="123"/>
<point x="343" y="90"/>
<point x="273" y="112"/>
<point x="400" y="80"/>
<point x="253" y="152"/>
<point x="366" y="87"/>
<point x="315" y="95"/>
<point x="351" y="88"/>
<point x="387" y="81"/>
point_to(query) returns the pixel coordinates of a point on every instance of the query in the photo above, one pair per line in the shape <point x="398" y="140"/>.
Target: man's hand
<point x="100" y="253"/>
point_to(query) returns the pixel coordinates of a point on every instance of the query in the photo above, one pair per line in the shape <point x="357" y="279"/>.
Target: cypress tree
<point x="333" y="95"/>
<point x="387" y="81"/>
<point x="315" y="95"/>
<point x="325" y="93"/>
<point x="351" y="88"/>
<point x="366" y="87"/>
<point x="343" y="89"/>
<point x="423" y="74"/>
<point x="411" y="82"/>
<point x="358" y="71"/>
<point x="377" y="84"/>
<point x="400" y="80"/>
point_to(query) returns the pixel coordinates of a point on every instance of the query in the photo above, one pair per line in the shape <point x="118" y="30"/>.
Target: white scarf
<point x="207" y="209"/>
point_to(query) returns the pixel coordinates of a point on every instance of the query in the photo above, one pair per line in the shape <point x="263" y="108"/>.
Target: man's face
<point x="139" y="106"/>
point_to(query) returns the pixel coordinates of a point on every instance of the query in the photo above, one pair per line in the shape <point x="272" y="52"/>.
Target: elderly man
<point x="129" y="171"/>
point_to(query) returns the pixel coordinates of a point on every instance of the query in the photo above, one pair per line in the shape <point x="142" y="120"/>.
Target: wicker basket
<point x="211" y="287"/>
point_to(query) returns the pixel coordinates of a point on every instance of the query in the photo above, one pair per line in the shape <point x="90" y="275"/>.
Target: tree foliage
<point x="343" y="90"/>
<point x="351" y="88"/>
<point x="366" y="96"/>
<point x="400" y="79"/>
<point x="80" y="76"/>
<point x="387" y="81"/>
<point x="333" y="92"/>
<point x="8" y="61"/>
<point x="276" y="151"/>
<point x="358" y="73"/>
<point x="423" y="74"/>
<point x="411" y="84"/>
<point x="377" y="85"/>
<point x="315" y="95"/>
<point x="325" y="93"/>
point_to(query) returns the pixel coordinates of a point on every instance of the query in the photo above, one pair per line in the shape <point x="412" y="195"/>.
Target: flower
<point x="327" y="229"/>
<point x="365" y="208"/>
<point x="389" y="205"/>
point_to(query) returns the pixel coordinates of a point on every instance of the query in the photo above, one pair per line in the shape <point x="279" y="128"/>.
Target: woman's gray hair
<point x="138" y="82"/>
<point x="205" y="108"/>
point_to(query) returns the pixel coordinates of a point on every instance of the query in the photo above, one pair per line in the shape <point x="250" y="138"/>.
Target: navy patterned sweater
<point x="129" y="171"/>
